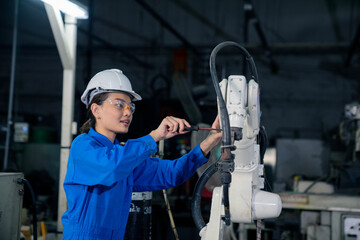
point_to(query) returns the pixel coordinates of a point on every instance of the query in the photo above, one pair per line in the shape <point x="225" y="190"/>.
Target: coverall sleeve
<point x="91" y="163"/>
<point x="156" y="174"/>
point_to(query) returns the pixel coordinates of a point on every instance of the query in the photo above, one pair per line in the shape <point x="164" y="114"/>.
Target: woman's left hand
<point x="213" y="139"/>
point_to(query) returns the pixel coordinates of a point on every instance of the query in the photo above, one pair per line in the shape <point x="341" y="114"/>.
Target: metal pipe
<point x="67" y="112"/>
<point x="167" y="203"/>
<point x="89" y="50"/>
<point x="11" y="91"/>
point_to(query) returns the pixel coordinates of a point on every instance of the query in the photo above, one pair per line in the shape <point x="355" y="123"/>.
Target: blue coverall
<point x="101" y="176"/>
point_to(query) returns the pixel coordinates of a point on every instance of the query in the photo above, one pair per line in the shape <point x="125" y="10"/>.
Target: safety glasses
<point x="123" y="105"/>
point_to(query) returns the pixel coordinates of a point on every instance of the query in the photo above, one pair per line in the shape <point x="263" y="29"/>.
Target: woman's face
<point x="114" y="115"/>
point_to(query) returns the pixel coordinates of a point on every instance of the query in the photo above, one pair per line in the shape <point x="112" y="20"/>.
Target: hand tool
<point x="197" y="128"/>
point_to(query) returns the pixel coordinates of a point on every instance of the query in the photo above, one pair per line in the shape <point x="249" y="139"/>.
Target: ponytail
<point x="85" y="128"/>
<point x="90" y="123"/>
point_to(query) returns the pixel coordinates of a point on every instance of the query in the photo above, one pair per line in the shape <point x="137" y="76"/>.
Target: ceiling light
<point x="71" y="8"/>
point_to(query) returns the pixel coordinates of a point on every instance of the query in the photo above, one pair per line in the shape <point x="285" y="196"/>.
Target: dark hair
<point x="90" y="123"/>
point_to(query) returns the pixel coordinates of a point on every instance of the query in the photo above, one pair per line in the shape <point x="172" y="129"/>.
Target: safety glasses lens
<point x="123" y="106"/>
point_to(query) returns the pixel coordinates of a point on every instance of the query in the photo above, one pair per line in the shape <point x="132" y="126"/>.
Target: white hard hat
<point x="111" y="80"/>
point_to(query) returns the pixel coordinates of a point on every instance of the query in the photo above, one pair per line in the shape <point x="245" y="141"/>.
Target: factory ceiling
<point x="159" y="24"/>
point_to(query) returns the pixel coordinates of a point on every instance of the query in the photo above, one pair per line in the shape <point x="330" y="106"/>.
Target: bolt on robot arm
<point x="246" y="202"/>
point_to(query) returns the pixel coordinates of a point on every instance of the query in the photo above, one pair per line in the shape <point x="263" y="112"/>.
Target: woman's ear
<point x="95" y="110"/>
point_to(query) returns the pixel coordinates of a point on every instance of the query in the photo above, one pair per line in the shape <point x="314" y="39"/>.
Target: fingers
<point x="216" y="123"/>
<point x="185" y="124"/>
<point x="172" y="124"/>
<point x="169" y="127"/>
<point x="175" y="125"/>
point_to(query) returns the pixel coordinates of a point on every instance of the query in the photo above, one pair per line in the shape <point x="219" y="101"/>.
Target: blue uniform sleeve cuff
<point x="198" y="152"/>
<point x="150" y="142"/>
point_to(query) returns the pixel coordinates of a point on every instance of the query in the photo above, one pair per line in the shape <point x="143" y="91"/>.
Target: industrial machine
<point x="326" y="197"/>
<point x="10" y="205"/>
<point x="240" y="198"/>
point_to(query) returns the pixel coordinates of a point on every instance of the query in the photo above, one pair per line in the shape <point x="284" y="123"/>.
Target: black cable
<point x="263" y="142"/>
<point x="33" y="197"/>
<point x="196" y="198"/>
<point x="226" y="203"/>
<point x="315" y="182"/>
<point x="226" y="166"/>
<point x="224" y="114"/>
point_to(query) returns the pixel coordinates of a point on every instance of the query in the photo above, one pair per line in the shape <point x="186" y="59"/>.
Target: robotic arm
<point x="240" y="198"/>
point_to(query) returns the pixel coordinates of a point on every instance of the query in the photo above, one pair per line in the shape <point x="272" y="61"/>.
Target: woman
<point x="102" y="174"/>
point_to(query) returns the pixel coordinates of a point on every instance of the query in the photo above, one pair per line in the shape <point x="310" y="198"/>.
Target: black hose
<point x="196" y="199"/>
<point x="224" y="116"/>
<point x="226" y="203"/>
<point x="226" y="180"/>
<point x="226" y="166"/>
<point x="263" y="142"/>
<point x="33" y="197"/>
<point x="315" y="182"/>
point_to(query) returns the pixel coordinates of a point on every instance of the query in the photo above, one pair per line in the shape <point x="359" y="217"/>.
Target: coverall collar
<point x="101" y="138"/>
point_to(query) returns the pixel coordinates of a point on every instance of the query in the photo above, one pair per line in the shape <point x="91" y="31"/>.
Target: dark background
<point x="312" y="74"/>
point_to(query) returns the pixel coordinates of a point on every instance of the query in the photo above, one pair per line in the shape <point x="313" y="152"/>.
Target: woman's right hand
<point x="169" y="127"/>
